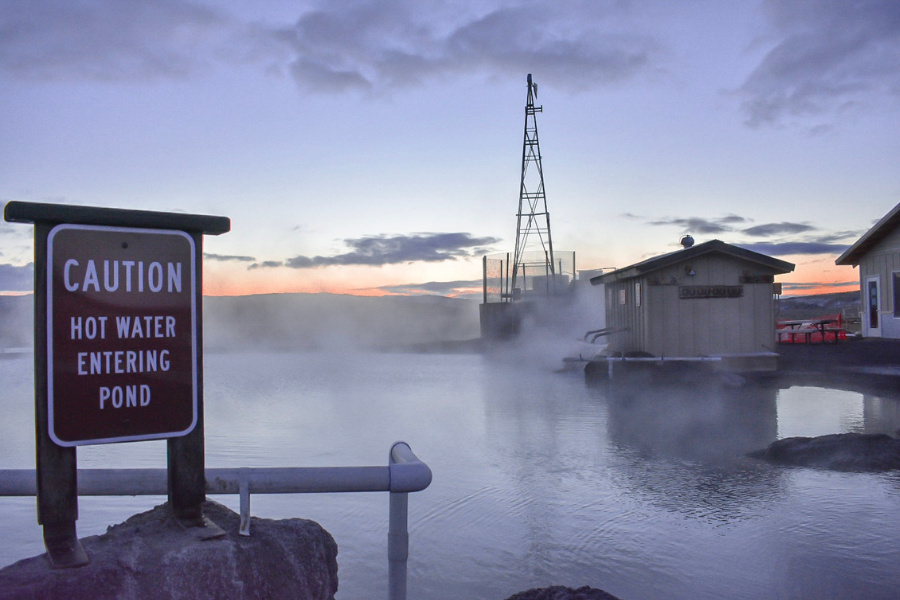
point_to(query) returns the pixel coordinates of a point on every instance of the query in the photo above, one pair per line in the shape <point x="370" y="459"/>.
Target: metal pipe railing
<point x="405" y="473"/>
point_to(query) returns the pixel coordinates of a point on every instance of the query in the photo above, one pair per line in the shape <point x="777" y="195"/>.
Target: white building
<point x="877" y="254"/>
<point x="709" y="300"/>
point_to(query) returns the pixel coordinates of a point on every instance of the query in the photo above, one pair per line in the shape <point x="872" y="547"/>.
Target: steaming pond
<point x="538" y="479"/>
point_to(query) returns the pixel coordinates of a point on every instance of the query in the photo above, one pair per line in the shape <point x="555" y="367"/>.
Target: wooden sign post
<point x="117" y="350"/>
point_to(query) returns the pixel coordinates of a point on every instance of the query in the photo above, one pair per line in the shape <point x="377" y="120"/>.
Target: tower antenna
<point x="534" y="245"/>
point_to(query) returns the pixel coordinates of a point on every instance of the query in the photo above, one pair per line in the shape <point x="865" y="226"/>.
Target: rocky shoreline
<point x="563" y="593"/>
<point x="151" y="557"/>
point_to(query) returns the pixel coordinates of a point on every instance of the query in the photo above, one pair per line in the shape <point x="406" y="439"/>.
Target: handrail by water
<point x="405" y="473"/>
<point x="604" y="332"/>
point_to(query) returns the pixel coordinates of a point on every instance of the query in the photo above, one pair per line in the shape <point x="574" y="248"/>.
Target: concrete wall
<point x="500" y="320"/>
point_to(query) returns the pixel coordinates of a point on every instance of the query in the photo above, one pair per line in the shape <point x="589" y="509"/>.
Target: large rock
<point x="840" y="452"/>
<point x="150" y="556"/>
<point x="558" y="592"/>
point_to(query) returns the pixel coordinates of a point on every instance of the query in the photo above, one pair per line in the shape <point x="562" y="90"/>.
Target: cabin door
<point x="872" y="306"/>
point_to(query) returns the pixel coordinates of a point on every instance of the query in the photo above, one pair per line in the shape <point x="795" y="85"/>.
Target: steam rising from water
<point x="335" y="322"/>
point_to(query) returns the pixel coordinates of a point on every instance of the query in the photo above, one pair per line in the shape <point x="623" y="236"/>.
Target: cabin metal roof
<point x="714" y="246"/>
<point x="870" y="239"/>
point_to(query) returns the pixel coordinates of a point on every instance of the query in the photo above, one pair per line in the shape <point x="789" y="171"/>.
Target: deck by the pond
<point x="850" y="354"/>
<point x="859" y="364"/>
<point x="869" y="362"/>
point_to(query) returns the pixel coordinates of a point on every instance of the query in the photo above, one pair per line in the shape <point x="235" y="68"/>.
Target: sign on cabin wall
<point x="121" y="334"/>
<point x="687" y="292"/>
<point x="757" y="278"/>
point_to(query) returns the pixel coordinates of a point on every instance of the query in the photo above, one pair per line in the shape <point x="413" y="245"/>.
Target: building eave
<point x="714" y="246"/>
<point x="869" y="239"/>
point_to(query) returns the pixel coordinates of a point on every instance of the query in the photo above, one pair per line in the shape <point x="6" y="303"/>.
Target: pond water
<point x="539" y="479"/>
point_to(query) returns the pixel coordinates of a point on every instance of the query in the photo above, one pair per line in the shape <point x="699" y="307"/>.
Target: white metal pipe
<point x="408" y="473"/>
<point x="154" y="482"/>
<point x="300" y="480"/>
<point x="405" y="473"/>
<point x="18" y="482"/>
<point x="122" y="482"/>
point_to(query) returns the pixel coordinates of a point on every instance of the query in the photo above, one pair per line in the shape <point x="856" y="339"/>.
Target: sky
<point x="375" y="146"/>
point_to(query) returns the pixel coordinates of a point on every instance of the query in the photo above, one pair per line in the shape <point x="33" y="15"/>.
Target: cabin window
<point x="637" y="294"/>
<point x="622" y="296"/>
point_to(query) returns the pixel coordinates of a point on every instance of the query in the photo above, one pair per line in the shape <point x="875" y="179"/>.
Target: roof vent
<point x="687" y="241"/>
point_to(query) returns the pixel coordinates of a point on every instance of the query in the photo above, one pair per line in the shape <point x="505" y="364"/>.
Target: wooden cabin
<point x="877" y="254"/>
<point x="710" y="300"/>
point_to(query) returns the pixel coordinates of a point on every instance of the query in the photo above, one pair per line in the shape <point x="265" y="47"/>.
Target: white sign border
<point x="194" y="378"/>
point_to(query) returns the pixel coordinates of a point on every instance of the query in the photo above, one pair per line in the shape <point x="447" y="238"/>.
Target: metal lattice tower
<point x="532" y="219"/>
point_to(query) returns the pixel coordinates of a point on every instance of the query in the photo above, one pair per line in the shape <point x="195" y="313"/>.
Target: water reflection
<point x="811" y="411"/>
<point x="683" y="447"/>
<point x="538" y="479"/>
<point x="881" y="415"/>
<point x="706" y="423"/>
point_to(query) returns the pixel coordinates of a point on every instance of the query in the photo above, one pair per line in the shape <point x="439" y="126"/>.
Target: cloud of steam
<point x="335" y="322"/>
<point x="387" y="250"/>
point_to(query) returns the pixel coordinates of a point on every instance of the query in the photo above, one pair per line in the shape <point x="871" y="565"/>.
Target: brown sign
<point x="757" y="279"/>
<point x="121" y="334"/>
<point x="686" y="292"/>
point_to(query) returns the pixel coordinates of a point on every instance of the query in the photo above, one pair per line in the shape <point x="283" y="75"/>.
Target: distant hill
<point x="808" y="307"/>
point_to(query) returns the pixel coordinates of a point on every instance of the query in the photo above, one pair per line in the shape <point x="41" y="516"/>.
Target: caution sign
<point x="121" y="334"/>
